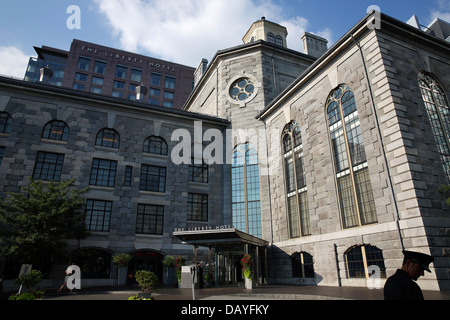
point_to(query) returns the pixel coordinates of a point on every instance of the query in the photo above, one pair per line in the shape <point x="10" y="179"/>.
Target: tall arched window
<point x="271" y="38"/>
<point x="352" y="174"/>
<point x="246" y="205"/>
<point x="156" y="145"/>
<point x="297" y="198"/>
<point x="108" y="138"/>
<point x="56" y="130"/>
<point x="438" y="110"/>
<point x="5" y="123"/>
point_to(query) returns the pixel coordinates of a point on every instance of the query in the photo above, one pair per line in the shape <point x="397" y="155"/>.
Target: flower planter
<point x="248" y="283"/>
<point x="122" y="276"/>
<point x="145" y="295"/>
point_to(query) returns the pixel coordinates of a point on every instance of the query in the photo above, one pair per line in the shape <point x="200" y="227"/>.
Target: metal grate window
<point x="56" y="130"/>
<point x="438" y="111"/>
<point x="245" y="190"/>
<point x="302" y="265"/>
<point x="98" y="215"/>
<point x="297" y="198"/>
<point x="150" y="219"/>
<point x="108" y="138"/>
<point x="197" y="207"/>
<point x="153" y="178"/>
<point x="359" y="259"/>
<point x="5" y="123"/>
<point x="48" y="166"/>
<point x="355" y="194"/>
<point x="103" y="173"/>
<point x="155" y="145"/>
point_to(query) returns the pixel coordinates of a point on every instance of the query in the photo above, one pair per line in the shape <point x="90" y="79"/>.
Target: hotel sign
<point x="123" y="57"/>
<point x="203" y="228"/>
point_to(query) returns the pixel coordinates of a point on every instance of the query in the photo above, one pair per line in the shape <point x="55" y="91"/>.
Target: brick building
<point x="90" y="67"/>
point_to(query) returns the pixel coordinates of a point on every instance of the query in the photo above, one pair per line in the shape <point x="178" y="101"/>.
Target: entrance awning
<point x="219" y="237"/>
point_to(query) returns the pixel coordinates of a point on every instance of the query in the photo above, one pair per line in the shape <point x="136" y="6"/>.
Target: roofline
<point x="263" y="19"/>
<point x="130" y="53"/>
<point x="111" y="101"/>
<point x="54" y="51"/>
<point x="345" y="41"/>
<point x="242" y="47"/>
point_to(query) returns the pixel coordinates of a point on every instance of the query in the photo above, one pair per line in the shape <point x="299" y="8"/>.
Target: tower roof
<point x="266" y="30"/>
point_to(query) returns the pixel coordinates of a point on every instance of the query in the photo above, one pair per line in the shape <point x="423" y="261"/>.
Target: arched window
<point x="95" y="263"/>
<point x="108" y="138"/>
<point x="352" y="174"/>
<point x="297" y="198"/>
<point x="56" y="130"/>
<point x="271" y="38"/>
<point x="155" y="145"/>
<point x="246" y="205"/>
<point x="5" y="123"/>
<point x="438" y="110"/>
<point x="302" y="265"/>
<point x="362" y="260"/>
<point x="279" y="41"/>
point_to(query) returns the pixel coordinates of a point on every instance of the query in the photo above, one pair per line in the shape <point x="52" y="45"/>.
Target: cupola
<point x="267" y="31"/>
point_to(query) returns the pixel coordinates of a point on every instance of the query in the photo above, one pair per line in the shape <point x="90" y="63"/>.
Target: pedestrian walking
<point x="67" y="273"/>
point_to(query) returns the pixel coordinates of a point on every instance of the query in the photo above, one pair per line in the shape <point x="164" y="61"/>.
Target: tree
<point x="36" y="224"/>
<point x="445" y="189"/>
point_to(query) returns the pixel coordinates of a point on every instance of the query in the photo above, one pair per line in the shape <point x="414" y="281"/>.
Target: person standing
<point x="402" y="285"/>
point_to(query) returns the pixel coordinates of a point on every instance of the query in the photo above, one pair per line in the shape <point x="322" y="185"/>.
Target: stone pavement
<point x="265" y="292"/>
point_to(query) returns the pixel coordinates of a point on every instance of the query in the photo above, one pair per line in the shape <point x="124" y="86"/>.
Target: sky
<point x="181" y="31"/>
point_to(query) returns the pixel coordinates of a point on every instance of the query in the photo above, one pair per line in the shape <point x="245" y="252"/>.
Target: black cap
<point x="420" y="258"/>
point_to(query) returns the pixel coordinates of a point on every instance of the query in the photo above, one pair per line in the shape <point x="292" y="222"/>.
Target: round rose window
<point x="242" y="89"/>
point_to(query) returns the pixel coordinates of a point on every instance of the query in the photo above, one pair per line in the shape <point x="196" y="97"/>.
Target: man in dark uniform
<point x="402" y="285"/>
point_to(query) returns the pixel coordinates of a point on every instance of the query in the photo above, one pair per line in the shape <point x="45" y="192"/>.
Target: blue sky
<point x="182" y="31"/>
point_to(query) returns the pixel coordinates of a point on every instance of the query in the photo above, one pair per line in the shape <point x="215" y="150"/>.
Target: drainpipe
<point x="337" y="265"/>
<point x="374" y="110"/>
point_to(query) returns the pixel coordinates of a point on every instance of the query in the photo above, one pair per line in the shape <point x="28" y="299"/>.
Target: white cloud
<point x="189" y="30"/>
<point x="14" y="62"/>
<point x="442" y="11"/>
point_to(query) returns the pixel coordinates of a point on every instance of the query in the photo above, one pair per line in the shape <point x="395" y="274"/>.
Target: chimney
<point x="141" y="92"/>
<point x="198" y="74"/>
<point x="314" y="45"/>
<point x="46" y="75"/>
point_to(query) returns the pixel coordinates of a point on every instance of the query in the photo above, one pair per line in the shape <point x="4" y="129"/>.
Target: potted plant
<point x="169" y="264"/>
<point x="247" y="270"/>
<point x="121" y="260"/>
<point x="208" y="278"/>
<point x="180" y="261"/>
<point x="28" y="282"/>
<point x="147" y="281"/>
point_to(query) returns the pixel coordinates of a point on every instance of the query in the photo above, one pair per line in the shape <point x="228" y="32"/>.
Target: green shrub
<point x="29" y="280"/>
<point x="22" y="296"/>
<point x="147" y="280"/>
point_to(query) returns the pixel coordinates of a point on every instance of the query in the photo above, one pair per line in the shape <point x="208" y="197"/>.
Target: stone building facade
<point x="396" y="168"/>
<point x="335" y="160"/>
<point x="383" y="69"/>
<point x="120" y="150"/>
